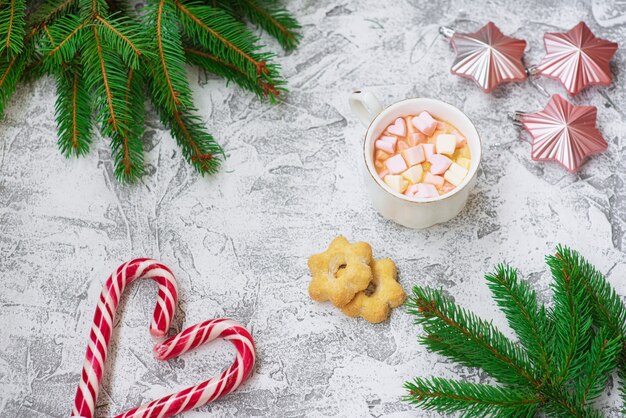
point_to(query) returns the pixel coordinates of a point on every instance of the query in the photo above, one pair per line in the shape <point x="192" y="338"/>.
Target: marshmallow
<point x="383" y="173"/>
<point x="460" y="139"/>
<point x="396" y="164"/>
<point x="402" y="146"/>
<point x="441" y="126"/>
<point x="398" y="127"/>
<point x="414" y="155"/>
<point x="436" y="181"/>
<point x="411" y="190"/>
<point x="397" y="183"/>
<point x="446" y="144"/>
<point x="414" y="174"/>
<point x="429" y="150"/>
<point x="417" y="138"/>
<point x="447" y="187"/>
<point x="425" y="123"/>
<point x="464" y="162"/>
<point x="426" y="190"/>
<point x="455" y="174"/>
<point x="438" y="163"/>
<point x="385" y="146"/>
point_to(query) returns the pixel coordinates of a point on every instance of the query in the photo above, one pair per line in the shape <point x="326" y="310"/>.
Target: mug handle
<point x="365" y="105"/>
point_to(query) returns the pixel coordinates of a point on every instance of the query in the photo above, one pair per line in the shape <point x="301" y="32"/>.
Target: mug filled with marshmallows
<point x="421" y="158"/>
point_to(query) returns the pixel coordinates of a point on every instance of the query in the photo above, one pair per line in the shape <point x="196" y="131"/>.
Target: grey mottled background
<point x="238" y="241"/>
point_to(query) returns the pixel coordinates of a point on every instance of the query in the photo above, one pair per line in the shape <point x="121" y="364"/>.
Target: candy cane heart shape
<point x="212" y="389"/>
<point x="102" y="327"/>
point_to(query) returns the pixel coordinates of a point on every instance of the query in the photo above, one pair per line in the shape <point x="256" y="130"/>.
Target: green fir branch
<point x="606" y="305"/>
<point x="50" y="10"/>
<point x="125" y="36"/>
<point x="598" y="364"/>
<point x="529" y="320"/>
<point x="97" y="50"/>
<point x="127" y="145"/>
<point x="107" y="77"/>
<point x="569" y="361"/>
<point x="11" y="70"/>
<point x="12" y="26"/>
<point x="62" y="41"/>
<point x="571" y="316"/>
<point x="199" y="147"/>
<point x="475" y="400"/>
<point x="275" y="20"/>
<point x="225" y="37"/>
<point x="473" y="342"/>
<point x="232" y="73"/>
<point x="73" y="112"/>
<point x="170" y="86"/>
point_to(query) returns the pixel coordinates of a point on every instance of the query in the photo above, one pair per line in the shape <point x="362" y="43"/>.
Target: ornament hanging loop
<point x="516" y="118"/>
<point x="446" y="32"/>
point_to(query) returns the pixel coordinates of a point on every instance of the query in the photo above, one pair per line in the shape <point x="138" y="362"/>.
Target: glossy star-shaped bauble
<point x="488" y="57"/>
<point x="564" y="133"/>
<point x="577" y="58"/>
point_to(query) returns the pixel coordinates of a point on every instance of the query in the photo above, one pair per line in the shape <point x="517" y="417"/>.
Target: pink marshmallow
<point x="398" y="127"/>
<point x="417" y="138"/>
<point x="439" y="163"/>
<point x="460" y="139"/>
<point x="385" y="146"/>
<point x="396" y="164"/>
<point x="383" y="173"/>
<point x="402" y="146"/>
<point x="426" y="190"/>
<point x="436" y="181"/>
<point x="441" y="125"/>
<point x="414" y="155"/>
<point x="425" y="123"/>
<point x="447" y="187"/>
<point x="429" y="150"/>
<point x="389" y="138"/>
<point x="411" y="190"/>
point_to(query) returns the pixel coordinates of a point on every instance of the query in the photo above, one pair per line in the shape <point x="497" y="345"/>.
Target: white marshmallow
<point x="413" y="174"/>
<point x="446" y="144"/>
<point x="396" y="182"/>
<point x="455" y="174"/>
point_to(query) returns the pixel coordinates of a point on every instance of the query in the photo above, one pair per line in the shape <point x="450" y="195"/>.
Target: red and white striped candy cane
<point x="95" y="359"/>
<point x="212" y="389"/>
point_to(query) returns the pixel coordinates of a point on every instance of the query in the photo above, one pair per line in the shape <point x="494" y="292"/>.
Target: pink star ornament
<point x="563" y="132"/>
<point x="487" y="56"/>
<point x="577" y="58"/>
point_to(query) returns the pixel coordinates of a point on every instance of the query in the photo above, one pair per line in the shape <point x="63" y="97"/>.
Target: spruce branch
<point x="598" y="363"/>
<point x="530" y="321"/>
<point x="474" y="342"/>
<point x="564" y="363"/>
<point x="478" y="400"/>
<point x="275" y="20"/>
<point x="102" y="55"/>
<point x="73" y="112"/>
<point x="170" y="87"/>
<point x="12" y="26"/>
<point x="232" y="73"/>
<point x="572" y="321"/>
<point x="224" y="36"/>
<point x="126" y="144"/>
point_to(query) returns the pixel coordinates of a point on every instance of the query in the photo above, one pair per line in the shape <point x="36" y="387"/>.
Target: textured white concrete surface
<point x="238" y="241"/>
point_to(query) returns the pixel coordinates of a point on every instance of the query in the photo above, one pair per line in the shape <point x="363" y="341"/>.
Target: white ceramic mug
<point x="413" y="212"/>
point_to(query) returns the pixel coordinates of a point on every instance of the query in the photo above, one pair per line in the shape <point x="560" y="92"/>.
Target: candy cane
<point x="212" y="389"/>
<point x="95" y="359"/>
